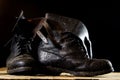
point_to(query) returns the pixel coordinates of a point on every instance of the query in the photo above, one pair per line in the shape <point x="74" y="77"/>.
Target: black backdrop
<point x="101" y="18"/>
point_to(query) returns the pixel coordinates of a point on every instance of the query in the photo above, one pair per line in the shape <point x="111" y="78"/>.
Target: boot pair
<point x="52" y="45"/>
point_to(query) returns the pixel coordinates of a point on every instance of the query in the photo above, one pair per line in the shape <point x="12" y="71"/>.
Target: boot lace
<point x="24" y="45"/>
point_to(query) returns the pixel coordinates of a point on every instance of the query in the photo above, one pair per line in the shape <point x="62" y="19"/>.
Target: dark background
<point x="100" y="17"/>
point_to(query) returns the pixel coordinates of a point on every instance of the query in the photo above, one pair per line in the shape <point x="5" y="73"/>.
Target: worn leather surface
<point x="75" y="26"/>
<point x="65" y="50"/>
<point x="70" y="54"/>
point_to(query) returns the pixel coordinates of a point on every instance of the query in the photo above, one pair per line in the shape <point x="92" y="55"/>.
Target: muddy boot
<point x="20" y="60"/>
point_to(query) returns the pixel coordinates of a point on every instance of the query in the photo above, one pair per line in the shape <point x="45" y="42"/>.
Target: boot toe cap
<point x="102" y="65"/>
<point x="20" y="64"/>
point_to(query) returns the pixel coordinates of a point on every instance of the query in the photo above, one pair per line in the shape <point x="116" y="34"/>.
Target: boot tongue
<point x="24" y="32"/>
<point x="24" y="44"/>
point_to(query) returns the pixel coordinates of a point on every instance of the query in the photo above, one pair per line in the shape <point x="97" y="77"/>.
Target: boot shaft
<point x="68" y="24"/>
<point x="22" y="38"/>
<point x="75" y="26"/>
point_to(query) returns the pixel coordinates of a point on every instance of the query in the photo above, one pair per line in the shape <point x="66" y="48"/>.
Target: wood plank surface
<point x="109" y="76"/>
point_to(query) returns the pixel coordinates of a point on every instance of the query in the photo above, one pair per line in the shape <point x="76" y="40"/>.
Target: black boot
<point x="64" y="51"/>
<point x="20" y="61"/>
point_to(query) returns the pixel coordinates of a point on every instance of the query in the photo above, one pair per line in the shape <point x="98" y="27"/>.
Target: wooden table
<point x="109" y="76"/>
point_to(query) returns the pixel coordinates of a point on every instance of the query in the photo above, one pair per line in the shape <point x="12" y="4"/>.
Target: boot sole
<point x="89" y="74"/>
<point x="53" y="70"/>
<point x="22" y="71"/>
<point x="79" y="73"/>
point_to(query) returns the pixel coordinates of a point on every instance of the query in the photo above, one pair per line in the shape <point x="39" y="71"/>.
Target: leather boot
<point x="20" y="60"/>
<point x="63" y="49"/>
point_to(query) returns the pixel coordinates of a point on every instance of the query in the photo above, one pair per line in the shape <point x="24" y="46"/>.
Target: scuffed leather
<point x="71" y="53"/>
